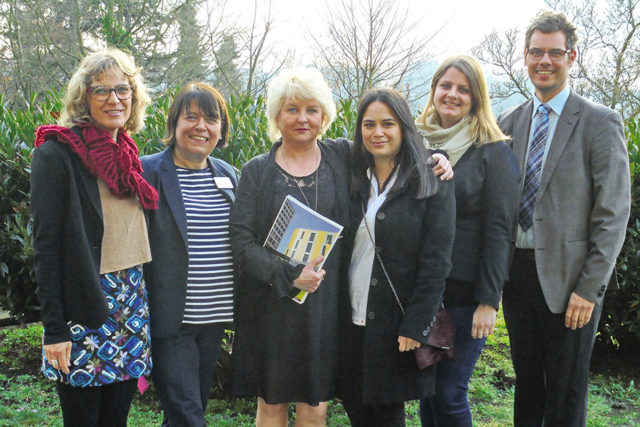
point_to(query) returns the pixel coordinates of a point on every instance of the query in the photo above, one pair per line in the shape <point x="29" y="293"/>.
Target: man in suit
<point x="571" y="225"/>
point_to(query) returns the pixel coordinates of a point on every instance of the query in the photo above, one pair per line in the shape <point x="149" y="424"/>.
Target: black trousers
<point x="104" y="406"/>
<point x="551" y="361"/>
<point x="182" y="372"/>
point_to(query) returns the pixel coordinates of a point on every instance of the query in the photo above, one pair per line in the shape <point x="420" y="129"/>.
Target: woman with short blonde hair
<point x="284" y="351"/>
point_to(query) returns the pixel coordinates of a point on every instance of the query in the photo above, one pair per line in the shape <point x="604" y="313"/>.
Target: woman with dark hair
<point x="190" y="279"/>
<point x="403" y="219"/>
<point x="90" y="241"/>
<point x="458" y="119"/>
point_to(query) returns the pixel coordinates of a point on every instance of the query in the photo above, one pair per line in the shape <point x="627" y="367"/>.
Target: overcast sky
<point x="465" y="22"/>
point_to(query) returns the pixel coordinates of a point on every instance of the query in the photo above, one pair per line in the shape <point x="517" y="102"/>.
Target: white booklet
<point x="299" y="234"/>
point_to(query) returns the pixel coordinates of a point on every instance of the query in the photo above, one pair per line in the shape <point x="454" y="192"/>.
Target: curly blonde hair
<point x="299" y="83"/>
<point x="76" y="105"/>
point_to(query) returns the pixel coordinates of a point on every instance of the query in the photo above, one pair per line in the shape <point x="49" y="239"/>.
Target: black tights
<point x="106" y="405"/>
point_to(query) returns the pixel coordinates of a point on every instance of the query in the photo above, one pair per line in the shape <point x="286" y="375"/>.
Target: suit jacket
<point x="67" y="241"/>
<point x="583" y="201"/>
<point x="166" y="274"/>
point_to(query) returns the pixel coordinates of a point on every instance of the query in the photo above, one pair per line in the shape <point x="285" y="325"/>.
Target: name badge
<point x="223" y="182"/>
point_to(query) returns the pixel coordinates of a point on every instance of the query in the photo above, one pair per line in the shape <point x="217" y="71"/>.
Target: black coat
<point x="67" y="241"/>
<point x="283" y="351"/>
<point x="414" y="239"/>
<point x="487" y="181"/>
<point x="166" y="274"/>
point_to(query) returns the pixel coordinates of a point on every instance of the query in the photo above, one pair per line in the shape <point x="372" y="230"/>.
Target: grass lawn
<point x="27" y="399"/>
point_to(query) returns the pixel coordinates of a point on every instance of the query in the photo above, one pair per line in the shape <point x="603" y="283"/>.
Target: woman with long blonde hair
<point x="458" y="119"/>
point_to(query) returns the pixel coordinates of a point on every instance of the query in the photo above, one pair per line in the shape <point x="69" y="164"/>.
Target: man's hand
<point x="578" y="312"/>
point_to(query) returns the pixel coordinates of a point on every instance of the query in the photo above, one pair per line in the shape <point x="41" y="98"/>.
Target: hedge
<point x="620" y="325"/>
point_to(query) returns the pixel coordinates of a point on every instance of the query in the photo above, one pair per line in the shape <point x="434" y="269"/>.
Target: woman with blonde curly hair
<point x="284" y="351"/>
<point x="90" y="241"/>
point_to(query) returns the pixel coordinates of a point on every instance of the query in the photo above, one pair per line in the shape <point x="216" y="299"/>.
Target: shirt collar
<point x="556" y="103"/>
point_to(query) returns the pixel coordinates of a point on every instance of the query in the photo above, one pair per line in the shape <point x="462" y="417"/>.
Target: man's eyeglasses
<point x="554" y="54"/>
<point x="102" y="93"/>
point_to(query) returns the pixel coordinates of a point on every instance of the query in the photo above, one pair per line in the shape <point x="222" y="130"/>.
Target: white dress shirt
<point x="525" y="239"/>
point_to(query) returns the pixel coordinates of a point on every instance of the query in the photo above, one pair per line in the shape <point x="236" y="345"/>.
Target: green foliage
<point x="27" y="398"/>
<point x="345" y="123"/>
<point x="620" y="324"/>
<point x="149" y="139"/>
<point x="17" y="133"/>
<point x="248" y="138"/>
<point x="248" y="131"/>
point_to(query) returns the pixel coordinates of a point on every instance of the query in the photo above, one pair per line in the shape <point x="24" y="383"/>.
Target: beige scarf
<point x="455" y="140"/>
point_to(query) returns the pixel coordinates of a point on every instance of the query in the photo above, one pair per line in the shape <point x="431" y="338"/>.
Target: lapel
<point x="90" y="185"/>
<point x="566" y="123"/>
<point x="218" y="171"/>
<point x="171" y="192"/>
<point x="520" y="132"/>
<point x="89" y="182"/>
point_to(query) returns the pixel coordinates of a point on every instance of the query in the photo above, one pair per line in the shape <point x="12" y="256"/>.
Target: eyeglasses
<point x="102" y="93"/>
<point x="554" y="54"/>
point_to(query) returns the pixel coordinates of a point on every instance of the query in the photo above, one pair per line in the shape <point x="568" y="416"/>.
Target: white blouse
<point x="364" y="251"/>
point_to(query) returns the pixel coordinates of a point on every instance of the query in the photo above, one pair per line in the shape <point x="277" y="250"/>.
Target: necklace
<point x="295" y="179"/>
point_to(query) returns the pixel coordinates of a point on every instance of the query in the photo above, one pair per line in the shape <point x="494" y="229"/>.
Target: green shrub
<point x="248" y="138"/>
<point x="620" y="325"/>
<point x="17" y="133"/>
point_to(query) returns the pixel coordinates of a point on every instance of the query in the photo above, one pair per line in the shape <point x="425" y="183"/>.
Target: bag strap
<point x="384" y="270"/>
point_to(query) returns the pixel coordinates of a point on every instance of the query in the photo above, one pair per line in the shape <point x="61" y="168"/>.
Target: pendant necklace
<point x="295" y="179"/>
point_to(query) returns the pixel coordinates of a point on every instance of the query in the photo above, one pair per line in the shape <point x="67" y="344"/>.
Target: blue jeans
<point x="450" y="406"/>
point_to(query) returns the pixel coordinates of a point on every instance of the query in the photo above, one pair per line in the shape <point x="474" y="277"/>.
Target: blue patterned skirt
<point x="121" y="348"/>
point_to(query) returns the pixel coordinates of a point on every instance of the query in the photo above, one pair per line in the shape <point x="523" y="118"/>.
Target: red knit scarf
<point x="116" y="163"/>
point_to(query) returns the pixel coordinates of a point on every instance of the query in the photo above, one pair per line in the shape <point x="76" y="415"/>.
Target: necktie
<point x="534" y="167"/>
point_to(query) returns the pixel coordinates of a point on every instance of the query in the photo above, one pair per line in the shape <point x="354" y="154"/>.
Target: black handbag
<point x="440" y="341"/>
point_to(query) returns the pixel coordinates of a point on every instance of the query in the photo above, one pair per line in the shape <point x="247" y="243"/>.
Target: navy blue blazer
<point x="166" y="274"/>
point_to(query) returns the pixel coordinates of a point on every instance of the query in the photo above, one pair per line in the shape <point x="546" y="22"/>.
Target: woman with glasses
<point x="90" y="241"/>
<point x="458" y="119"/>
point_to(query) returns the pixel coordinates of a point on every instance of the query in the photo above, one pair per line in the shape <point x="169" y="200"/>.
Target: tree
<point x="505" y="55"/>
<point x="372" y="43"/>
<point x="240" y="55"/>
<point x="607" y="68"/>
<point x="42" y="41"/>
<point x="226" y="76"/>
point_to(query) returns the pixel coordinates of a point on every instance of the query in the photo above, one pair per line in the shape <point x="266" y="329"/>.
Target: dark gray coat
<point x="487" y="181"/>
<point x="414" y="239"/>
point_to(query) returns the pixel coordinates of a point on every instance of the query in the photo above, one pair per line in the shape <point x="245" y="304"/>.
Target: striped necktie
<point x="534" y="167"/>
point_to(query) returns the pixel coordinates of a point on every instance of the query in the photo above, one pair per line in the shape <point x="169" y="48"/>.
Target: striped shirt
<point x="210" y="276"/>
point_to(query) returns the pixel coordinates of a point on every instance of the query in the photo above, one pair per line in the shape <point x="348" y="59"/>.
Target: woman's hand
<point x="59" y="355"/>
<point x="484" y="320"/>
<point x="407" y="344"/>
<point x="443" y="167"/>
<point x="309" y="279"/>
